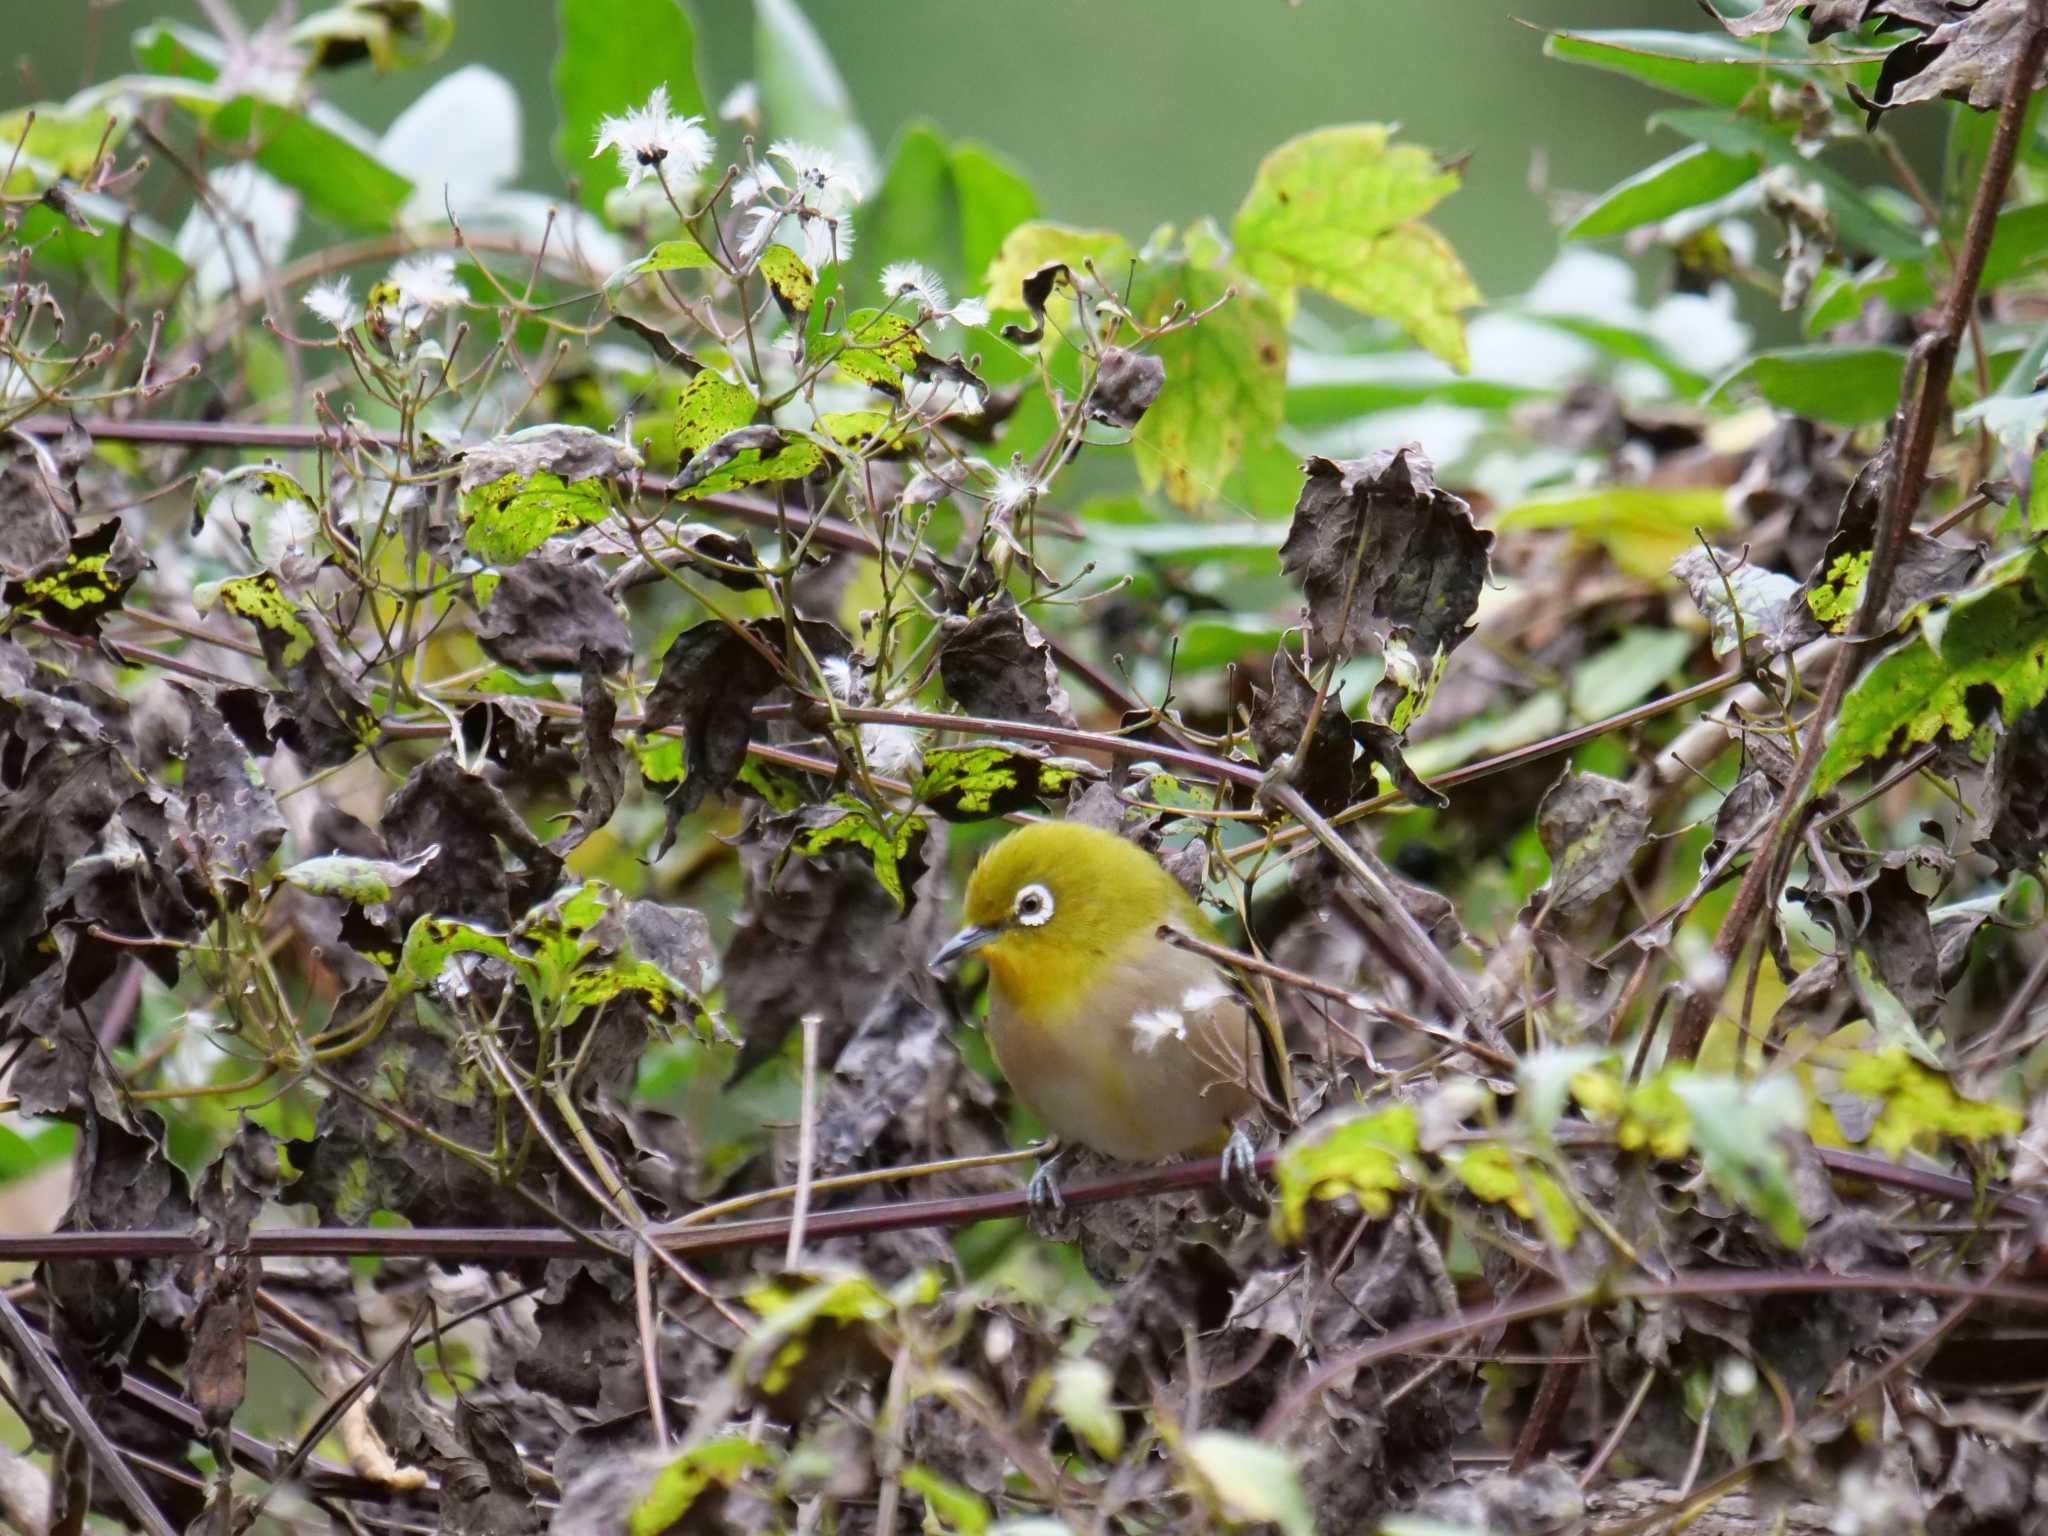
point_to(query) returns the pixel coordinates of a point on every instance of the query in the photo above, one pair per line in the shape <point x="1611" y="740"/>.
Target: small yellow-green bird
<point x="1115" y="1038"/>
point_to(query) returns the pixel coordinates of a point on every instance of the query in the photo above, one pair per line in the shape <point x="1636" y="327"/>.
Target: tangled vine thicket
<point x="497" y="697"/>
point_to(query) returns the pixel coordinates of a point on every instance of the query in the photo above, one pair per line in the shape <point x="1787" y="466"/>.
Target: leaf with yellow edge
<point x="1920" y="1102"/>
<point x="1360" y="1155"/>
<point x="1334" y="210"/>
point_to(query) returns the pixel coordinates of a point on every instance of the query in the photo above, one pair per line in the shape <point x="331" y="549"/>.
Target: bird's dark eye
<point x="1033" y="905"/>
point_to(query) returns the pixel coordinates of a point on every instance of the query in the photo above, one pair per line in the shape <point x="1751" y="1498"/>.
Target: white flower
<point x="651" y="141"/>
<point x="822" y="184"/>
<point x="330" y="301"/>
<point x="1015" y="488"/>
<point x="909" y="277"/>
<point x="971" y="312"/>
<point x="895" y="751"/>
<point x="426" y="284"/>
<point x="826" y="240"/>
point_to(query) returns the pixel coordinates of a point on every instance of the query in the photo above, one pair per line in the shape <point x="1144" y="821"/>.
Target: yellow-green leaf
<point x="1360" y="1155"/>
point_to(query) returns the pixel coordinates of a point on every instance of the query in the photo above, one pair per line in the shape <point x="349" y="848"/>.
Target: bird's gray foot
<point x="1240" y="1176"/>
<point x="1048" y="1207"/>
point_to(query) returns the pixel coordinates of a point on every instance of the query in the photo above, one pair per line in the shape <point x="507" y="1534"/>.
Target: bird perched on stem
<point x="1114" y="1036"/>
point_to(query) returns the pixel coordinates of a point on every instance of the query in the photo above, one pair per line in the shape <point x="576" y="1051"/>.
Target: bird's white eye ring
<point x="1033" y="906"/>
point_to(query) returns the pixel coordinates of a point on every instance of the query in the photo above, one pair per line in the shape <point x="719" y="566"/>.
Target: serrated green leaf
<point x="1334" y="210"/>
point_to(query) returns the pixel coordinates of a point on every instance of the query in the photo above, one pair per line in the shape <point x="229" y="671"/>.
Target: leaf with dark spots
<point x="998" y="665"/>
<point x="1377" y="546"/>
<point x="83" y="585"/>
<point x="1384" y="746"/>
<point x="978" y="780"/>
<point x="601" y="758"/>
<point x="1126" y="384"/>
<point x="569" y="453"/>
<point x="1927" y="568"/>
<point x="1766" y="610"/>
<point x="753" y="455"/>
<point x="1323" y="770"/>
<point x="546" y="613"/>
<point x="1591" y="827"/>
<point x="443" y="806"/>
<point x="657" y="341"/>
<point x="892" y="845"/>
<point x="1037" y="292"/>
<point x="326" y="716"/>
<point x="2015" y="798"/>
<point x="233" y="815"/>
<point x="38" y="498"/>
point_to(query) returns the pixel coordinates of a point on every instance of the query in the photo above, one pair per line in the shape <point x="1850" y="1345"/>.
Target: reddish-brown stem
<point x="1922" y="414"/>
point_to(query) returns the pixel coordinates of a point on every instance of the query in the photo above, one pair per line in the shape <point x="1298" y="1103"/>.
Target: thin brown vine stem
<point x="1921" y="413"/>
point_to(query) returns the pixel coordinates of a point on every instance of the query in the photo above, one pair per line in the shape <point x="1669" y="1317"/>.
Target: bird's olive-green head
<point x="1053" y="904"/>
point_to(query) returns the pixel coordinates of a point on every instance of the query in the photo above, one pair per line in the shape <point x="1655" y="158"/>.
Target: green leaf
<point x="1703" y="65"/>
<point x="613" y="54"/>
<point x="723" y="1461"/>
<point x="949" y="208"/>
<point x="879" y="348"/>
<point x="338" y="178"/>
<point x="261" y="601"/>
<point x="1839" y="297"/>
<point x="1858" y="221"/>
<point x="1843" y="386"/>
<point x="949" y="1508"/>
<point x="1081" y="1396"/>
<point x="362" y="881"/>
<point x="26" y="1151"/>
<point x="1251" y="1481"/>
<point x="1226" y="378"/>
<point x="1334" y="210"/>
<point x="793" y="283"/>
<point x="1736" y="1127"/>
<point x="1691" y="177"/>
<point x="1497" y="1176"/>
<point x="1037" y="244"/>
<point x="1360" y="1155"/>
<point x="1921" y="1102"/>
<point x="895" y="853"/>
<point x="708" y="408"/>
<point x="681" y="254"/>
<point x="57" y="141"/>
<point x="973" y="783"/>
<point x="802" y="94"/>
<point x="1644" y="528"/>
<point x="1994" y="639"/>
<point x="507" y="519"/>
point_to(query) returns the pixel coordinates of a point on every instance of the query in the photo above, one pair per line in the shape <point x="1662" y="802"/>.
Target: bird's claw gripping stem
<point x="1239" y="1177"/>
<point x="1048" y="1207"/>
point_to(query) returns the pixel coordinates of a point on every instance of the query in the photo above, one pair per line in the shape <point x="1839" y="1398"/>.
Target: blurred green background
<point x="1126" y="113"/>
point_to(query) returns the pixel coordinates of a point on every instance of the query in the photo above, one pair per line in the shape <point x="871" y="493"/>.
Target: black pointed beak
<point x="965" y="942"/>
